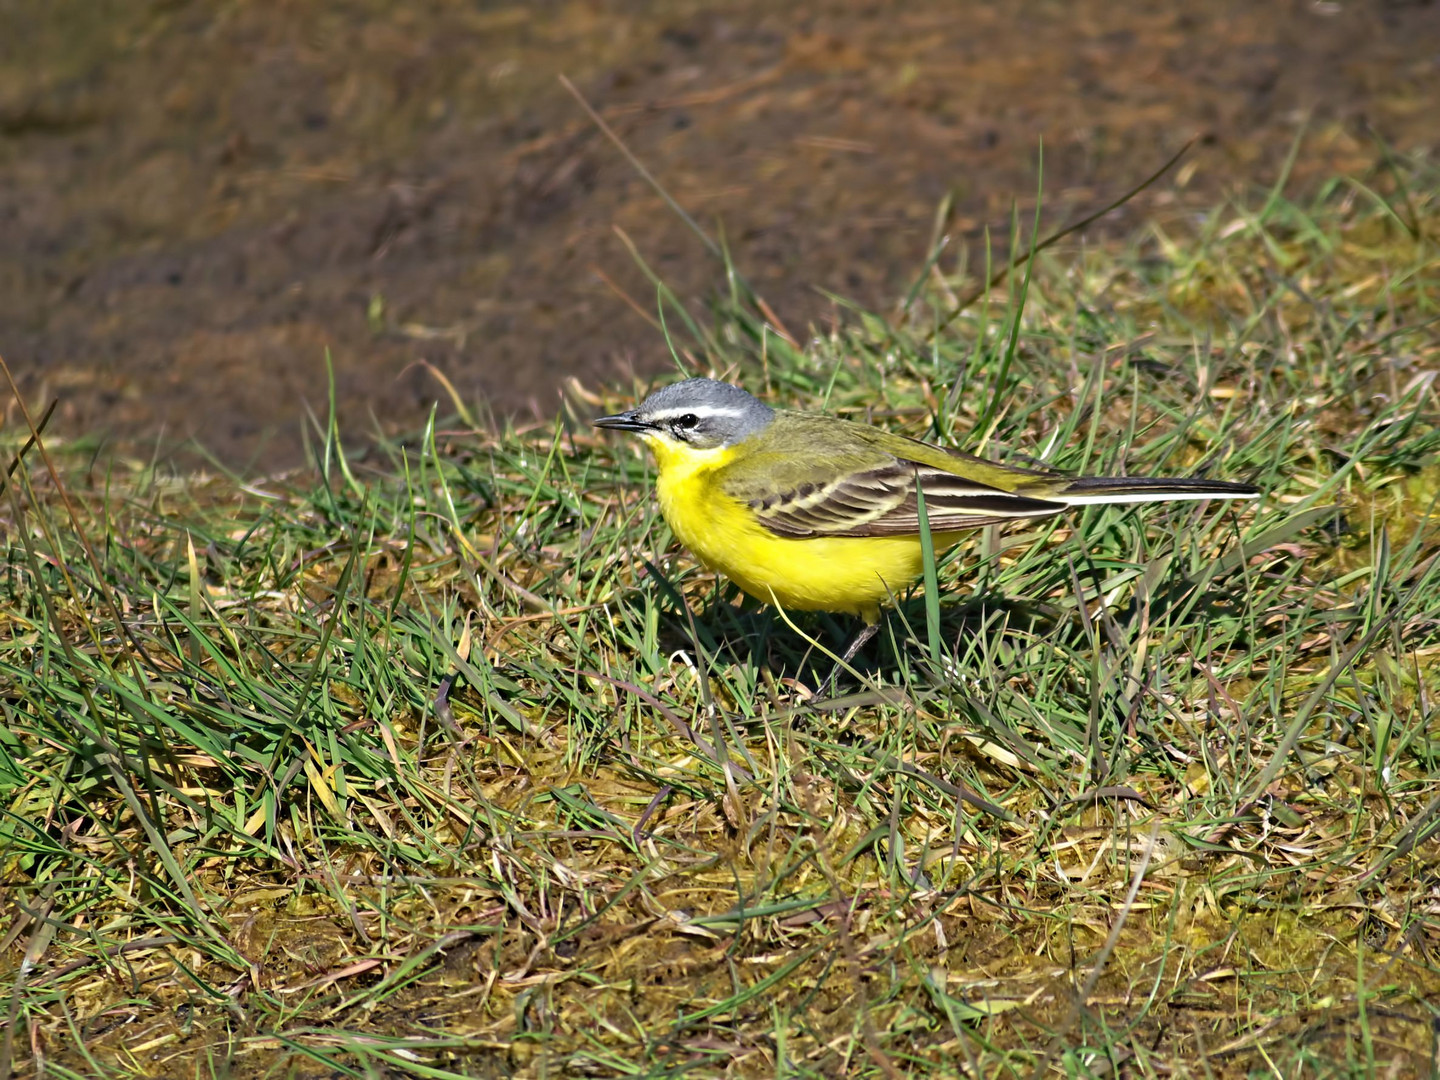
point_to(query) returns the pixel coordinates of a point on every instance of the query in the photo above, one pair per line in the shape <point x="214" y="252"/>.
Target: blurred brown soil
<point x="198" y="198"/>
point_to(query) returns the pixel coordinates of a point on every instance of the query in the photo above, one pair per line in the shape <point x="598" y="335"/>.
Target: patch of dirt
<point x="199" y="198"/>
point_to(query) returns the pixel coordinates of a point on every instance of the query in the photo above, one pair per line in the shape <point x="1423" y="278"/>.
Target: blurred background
<point x="198" y="198"/>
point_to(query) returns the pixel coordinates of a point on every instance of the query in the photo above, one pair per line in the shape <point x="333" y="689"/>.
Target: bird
<point x="811" y="512"/>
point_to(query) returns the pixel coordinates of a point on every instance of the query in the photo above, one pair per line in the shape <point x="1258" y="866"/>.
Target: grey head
<point x="703" y="413"/>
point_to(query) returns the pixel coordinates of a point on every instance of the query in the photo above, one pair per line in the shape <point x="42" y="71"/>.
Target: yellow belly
<point x="847" y="574"/>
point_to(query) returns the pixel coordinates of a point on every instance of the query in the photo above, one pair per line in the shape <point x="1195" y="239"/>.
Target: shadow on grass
<point x="735" y="629"/>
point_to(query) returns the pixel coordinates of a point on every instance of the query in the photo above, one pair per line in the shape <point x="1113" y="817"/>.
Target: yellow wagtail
<point x="816" y="513"/>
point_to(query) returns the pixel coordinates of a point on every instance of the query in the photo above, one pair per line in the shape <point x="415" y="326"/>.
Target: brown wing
<point x="881" y="501"/>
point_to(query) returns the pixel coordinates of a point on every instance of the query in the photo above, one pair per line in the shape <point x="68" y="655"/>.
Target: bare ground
<point x="198" y="199"/>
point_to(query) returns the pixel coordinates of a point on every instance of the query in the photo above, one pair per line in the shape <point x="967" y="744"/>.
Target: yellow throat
<point x="847" y="574"/>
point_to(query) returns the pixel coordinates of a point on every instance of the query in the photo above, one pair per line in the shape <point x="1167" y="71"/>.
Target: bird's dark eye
<point x="686" y="422"/>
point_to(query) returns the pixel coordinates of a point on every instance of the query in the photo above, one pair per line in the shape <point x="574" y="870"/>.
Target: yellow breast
<point x="854" y="575"/>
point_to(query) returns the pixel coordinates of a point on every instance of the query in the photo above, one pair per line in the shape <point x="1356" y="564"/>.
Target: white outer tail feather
<point x="1150" y="496"/>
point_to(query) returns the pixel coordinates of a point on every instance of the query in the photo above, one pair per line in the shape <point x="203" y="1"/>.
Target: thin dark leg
<point x="857" y="642"/>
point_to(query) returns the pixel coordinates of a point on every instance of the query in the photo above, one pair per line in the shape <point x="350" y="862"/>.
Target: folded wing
<point x="823" y="477"/>
<point x="881" y="501"/>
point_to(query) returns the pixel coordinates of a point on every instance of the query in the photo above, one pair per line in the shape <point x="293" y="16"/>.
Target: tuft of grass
<point x="439" y="760"/>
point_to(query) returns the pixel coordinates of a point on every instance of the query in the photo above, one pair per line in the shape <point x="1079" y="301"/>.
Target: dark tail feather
<point x="1132" y="489"/>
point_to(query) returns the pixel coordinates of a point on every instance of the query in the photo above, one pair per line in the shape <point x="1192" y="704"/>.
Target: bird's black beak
<point x="625" y="421"/>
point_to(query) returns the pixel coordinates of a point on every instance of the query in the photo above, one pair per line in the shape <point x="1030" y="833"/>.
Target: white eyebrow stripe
<point x="704" y="412"/>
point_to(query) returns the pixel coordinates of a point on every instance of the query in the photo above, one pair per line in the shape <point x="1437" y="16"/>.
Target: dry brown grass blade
<point x="1112" y="939"/>
<point x="29" y="443"/>
<point x="670" y="201"/>
<point x="634" y="305"/>
<point x="80" y="532"/>
<point x="1054" y="238"/>
<point x="639" y="167"/>
<point x="679" y="725"/>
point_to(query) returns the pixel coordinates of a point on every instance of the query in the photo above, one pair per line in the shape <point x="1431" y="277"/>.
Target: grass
<point x="440" y="760"/>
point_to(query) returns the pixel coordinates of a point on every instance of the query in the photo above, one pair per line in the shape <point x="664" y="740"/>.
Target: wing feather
<point x="864" y="482"/>
<point x="881" y="501"/>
